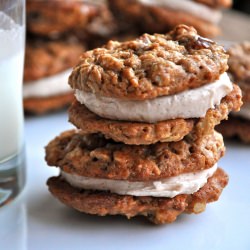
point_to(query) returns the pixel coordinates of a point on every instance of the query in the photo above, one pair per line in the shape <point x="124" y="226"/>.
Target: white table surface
<point x="38" y="221"/>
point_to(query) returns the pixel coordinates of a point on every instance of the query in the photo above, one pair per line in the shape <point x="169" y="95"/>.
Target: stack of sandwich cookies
<point x="57" y="33"/>
<point x="162" y="15"/>
<point x="239" y="70"/>
<point x="48" y="65"/>
<point x="136" y="151"/>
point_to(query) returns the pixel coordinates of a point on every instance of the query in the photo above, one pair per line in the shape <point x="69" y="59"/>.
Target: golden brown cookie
<point x="150" y="66"/>
<point x="157" y="210"/>
<point x="44" y="105"/>
<point x="147" y="133"/>
<point x="45" y="58"/>
<point x="153" y="18"/>
<point x="235" y="127"/>
<point x="92" y="155"/>
<point x="129" y="132"/>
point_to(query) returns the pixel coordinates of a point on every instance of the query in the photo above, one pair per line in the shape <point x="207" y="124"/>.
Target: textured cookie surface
<point x="235" y="127"/>
<point x="239" y="67"/>
<point x="39" y="106"/>
<point x="129" y="132"/>
<point x="157" y="210"/>
<point x="94" y="156"/>
<point x="150" y="66"/>
<point x="45" y="58"/>
<point x="145" y="133"/>
<point x="155" y="18"/>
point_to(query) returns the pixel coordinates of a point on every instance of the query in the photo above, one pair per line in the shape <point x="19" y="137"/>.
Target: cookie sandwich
<point x="48" y="64"/>
<point x="162" y="15"/>
<point x="57" y="33"/>
<point x="238" y="125"/>
<point x="145" y="113"/>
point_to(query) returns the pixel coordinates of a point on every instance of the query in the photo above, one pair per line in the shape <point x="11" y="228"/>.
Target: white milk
<point x="11" y="73"/>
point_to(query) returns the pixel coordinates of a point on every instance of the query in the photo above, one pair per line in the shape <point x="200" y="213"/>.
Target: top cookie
<point x="150" y="66"/>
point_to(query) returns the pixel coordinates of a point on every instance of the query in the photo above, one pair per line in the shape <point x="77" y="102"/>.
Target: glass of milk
<point x="12" y="157"/>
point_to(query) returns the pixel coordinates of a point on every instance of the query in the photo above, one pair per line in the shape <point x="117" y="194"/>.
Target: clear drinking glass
<point x="12" y="156"/>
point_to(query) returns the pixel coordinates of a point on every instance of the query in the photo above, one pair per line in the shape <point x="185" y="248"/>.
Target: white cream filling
<point x="199" y="10"/>
<point x="244" y="112"/>
<point x="48" y="86"/>
<point x="169" y="187"/>
<point x="192" y="103"/>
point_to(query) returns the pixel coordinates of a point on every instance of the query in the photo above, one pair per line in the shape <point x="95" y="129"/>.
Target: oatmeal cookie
<point x="157" y="210"/>
<point x="150" y="66"/>
<point x="129" y="132"/>
<point x="235" y="127"/>
<point x="145" y="133"/>
<point x="91" y="155"/>
<point x="42" y="105"/>
<point x="46" y="58"/>
<point x="153" y="18"/>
